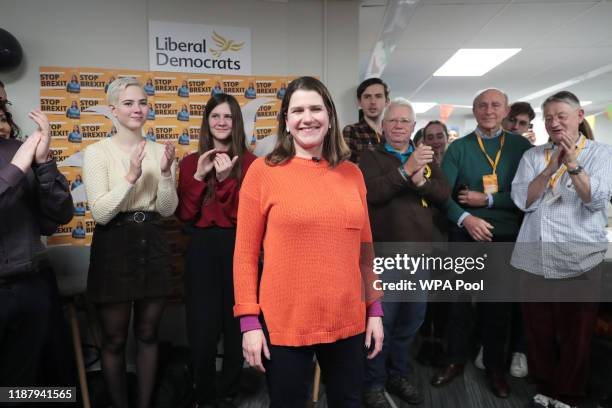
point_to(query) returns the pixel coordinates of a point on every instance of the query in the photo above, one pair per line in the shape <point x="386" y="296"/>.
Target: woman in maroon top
<point x="209" y="182"/>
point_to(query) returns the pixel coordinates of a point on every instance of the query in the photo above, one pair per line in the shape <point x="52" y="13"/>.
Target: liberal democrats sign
<point x="179" y="47"/>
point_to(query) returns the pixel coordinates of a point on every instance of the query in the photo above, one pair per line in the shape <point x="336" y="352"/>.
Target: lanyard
<point x="498" y="156"/>
<point x="559" y="173"/>
<point x="427" y="177"/>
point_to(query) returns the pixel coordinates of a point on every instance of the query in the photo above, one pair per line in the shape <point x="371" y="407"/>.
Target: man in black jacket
<point x="34" y="200"/>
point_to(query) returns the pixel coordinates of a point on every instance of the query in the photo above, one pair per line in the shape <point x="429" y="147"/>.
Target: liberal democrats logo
<point x="181" y="47"/>
<point x="224" y="45"/>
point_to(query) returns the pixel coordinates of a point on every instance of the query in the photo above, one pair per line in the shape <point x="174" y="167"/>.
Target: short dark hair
<point x="1" y="84"/>
<point x="436" y="122"/>
<point x="522" y="108"/>
<point x="372" y="81"/>
<point x="418" y="136"/>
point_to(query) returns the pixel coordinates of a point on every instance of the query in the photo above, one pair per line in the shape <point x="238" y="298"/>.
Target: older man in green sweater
<point x="480" y="168"/>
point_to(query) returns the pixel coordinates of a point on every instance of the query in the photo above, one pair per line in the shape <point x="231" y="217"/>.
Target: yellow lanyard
<point x="498" y="156"/>
<point x="427" y="177"/>
<point x="555" y="177"/>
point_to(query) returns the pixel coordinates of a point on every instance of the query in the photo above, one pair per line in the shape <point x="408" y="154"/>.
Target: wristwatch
<point x="576" y="171"/>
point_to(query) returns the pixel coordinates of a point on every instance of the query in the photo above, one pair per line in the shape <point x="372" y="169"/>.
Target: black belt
<point x="134" y="217"/>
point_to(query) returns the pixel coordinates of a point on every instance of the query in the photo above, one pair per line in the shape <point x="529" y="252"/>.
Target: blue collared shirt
<point x="402" y="156"/>
<point x="483" y="135"/>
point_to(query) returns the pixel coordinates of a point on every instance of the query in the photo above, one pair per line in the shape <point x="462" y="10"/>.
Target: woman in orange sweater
<point x="306" y="203"/>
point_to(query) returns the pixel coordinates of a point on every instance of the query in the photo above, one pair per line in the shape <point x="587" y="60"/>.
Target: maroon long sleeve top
<point x="222" y="209"/>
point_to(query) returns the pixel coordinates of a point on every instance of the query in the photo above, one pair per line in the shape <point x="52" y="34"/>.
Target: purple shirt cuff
<point x="375" y="309"/>
<point x="249" y="322"/>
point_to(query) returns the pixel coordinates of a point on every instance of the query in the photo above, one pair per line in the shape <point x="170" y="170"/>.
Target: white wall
<point x="288" y="39"/>
<point x="603" y="129"/>
<point x="301" y="37"/>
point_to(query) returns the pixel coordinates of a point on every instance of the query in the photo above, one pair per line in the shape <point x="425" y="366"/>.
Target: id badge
<point x="489" y="181"/>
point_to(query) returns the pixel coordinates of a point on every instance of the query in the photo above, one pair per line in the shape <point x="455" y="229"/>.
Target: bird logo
<point x="224" y="45"/>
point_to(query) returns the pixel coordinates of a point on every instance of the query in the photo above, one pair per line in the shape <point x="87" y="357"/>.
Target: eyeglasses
<point x="401" y="122"/>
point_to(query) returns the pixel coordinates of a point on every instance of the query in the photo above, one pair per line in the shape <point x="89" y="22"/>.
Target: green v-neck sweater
<point x="464" y="164"/>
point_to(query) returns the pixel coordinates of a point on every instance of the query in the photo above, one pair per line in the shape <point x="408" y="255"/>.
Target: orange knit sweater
<point x="312" y="220"/>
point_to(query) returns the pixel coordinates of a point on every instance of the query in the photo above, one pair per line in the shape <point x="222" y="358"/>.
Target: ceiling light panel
<point x="422" y="107"/>
<point x="475" y="61"/>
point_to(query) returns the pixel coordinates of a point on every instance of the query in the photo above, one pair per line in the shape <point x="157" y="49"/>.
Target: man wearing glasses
<point x="403" y="184"/>
<point x="519" y="120"/>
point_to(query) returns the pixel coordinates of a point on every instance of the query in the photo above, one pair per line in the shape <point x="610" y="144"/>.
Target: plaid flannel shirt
<point x="359" y="137"/>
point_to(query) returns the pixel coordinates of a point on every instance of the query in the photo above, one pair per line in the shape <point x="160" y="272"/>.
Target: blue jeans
<point x="401" y="323"/>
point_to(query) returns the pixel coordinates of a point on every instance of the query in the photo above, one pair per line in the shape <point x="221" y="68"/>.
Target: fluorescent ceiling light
<point x="422" y="107"/>
<point x="463" y="106"/>
<point x="475" y="61"/>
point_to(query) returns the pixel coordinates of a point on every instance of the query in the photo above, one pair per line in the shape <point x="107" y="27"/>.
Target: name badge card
<point x="489" y="181"/>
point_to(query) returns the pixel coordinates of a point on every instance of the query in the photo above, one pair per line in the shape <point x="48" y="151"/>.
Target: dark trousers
<point x="401" y="324"/>
<point x="25" y="304"/>
<point x="209" y="299"/>
<point x="434" y="324"/>
<point x="517" y="330"/>
<point x="58" y="360"/>
<point x="289" y="373"/>
<point x="559" y="345"/>
<point x="493" y="323"/>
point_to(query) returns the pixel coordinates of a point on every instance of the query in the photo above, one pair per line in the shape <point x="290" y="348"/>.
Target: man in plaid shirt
<point x="372" y="97"/>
